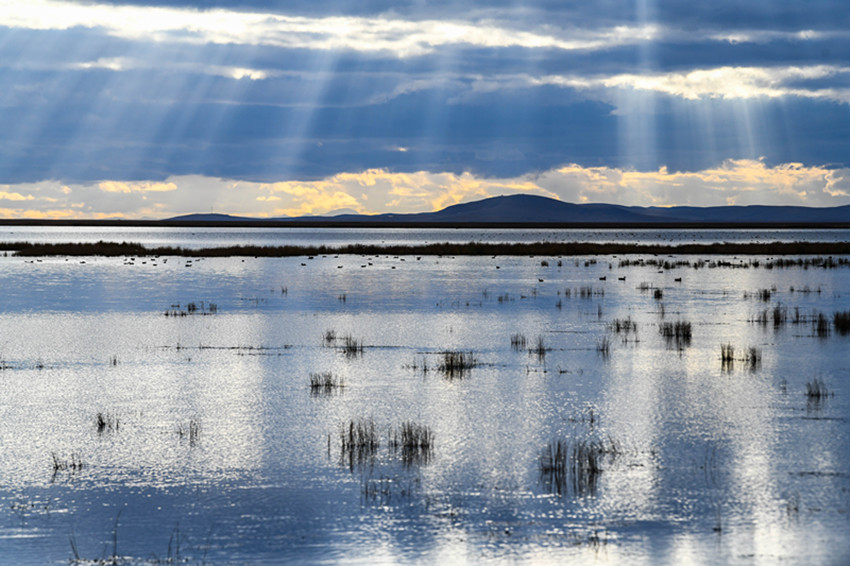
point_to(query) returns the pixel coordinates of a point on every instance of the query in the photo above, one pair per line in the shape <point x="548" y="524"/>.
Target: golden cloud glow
<point x="376" y="191"/>
<point x="136" y="187"/>
<point x="14" y="196"/>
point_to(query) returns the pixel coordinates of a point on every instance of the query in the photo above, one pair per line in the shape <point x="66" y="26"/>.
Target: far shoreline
<point x="380" y="224"/>
<point x="549" y="249"/>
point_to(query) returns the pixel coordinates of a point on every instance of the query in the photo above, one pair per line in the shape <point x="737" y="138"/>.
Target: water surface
<point x="216" y="441"/>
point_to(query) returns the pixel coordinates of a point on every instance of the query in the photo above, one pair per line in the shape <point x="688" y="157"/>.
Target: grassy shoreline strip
<point x="112" y="249"/>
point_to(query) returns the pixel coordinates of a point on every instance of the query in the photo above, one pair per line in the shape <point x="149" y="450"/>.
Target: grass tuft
<point x="678" y="332"/>
<point x="190" y="432"/>
<point x="518" y="342"/>
<point x="413" y="442"/>
<point x="358" y="442"/>
<point x="841" y="322"/>
<point x="816" y="390"/>
<point x="574" y="467"/>
<point x="325" y="383"/>
<point x="106" y="422"/>
<point x="457" y="364"/>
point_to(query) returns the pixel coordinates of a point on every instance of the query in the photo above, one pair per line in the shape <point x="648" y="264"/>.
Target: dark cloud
<point x="720" y="14"/>
<point x="84" y="104"/>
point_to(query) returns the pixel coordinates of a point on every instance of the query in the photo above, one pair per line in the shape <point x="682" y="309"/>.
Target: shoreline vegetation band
<point x="111" y="249"/>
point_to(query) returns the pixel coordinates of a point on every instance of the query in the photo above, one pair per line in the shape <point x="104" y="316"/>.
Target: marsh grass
<point x="191" y="432"/>
<point x="816" y="390"/>
<point x="678" y="333"/>
<point x="575" y="467"/>
<point x="72" y="464"/>
<point x="420" y="366"/>
<point x="457" y="364"/>
<point x="841" y="322"/>
<point x="351" y="347"/>
<point x="358" y="442"/>
<point x="752" y="358"/>
<point x="106" y="422"/>
<point x="192" y="309"/>
<point x="539" y="349"/>
<point x="325" y="383"/>
<point x="518" y="342"/>
<point x="623" y="325"/>
<point x="552" y="249"/>
<point x="412" y="442"/>
<point x="821" y="326"/>
<point x="749" y="357"/>
<point x="603" y="347"/>
<point x="777" y="316"/>
<point x="727" y="357"/>
<point x="329" y="338"/>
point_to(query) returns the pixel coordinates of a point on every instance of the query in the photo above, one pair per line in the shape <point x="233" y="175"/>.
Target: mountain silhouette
<point x="534" y="209"/>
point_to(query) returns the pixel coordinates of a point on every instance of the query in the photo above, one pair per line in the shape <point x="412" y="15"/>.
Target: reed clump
<point x="603" y="346"/>
<point x="679" y="331"/>
<point x="575" y="466"/>
<point x="106" y="422"/>
<point x="816" y="390"/>
<point x="413" y="442"/>
<point x="727" y="357"/>
<point x="623" y="325"/>
<point x="841" y="322"/>
<point x="539" y="349"/>
<point x="190" y="432"/>
<point x="518" y="341"/>
<point x="325" y="383"/>
<point x="457" y="364"/>
<point x="821" y="326"/>
<point x="73" y="463"/>
<point x="750" y="357"/>
<point x="358" y="442"/>
<point x="351" y="347"/>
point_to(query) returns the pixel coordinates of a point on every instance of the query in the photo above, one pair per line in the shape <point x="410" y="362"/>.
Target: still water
<point x="201" y="237"/>
<point x="158" y="410"/>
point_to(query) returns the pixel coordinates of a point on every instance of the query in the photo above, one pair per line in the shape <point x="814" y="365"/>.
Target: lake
<point x="631" y="409"/>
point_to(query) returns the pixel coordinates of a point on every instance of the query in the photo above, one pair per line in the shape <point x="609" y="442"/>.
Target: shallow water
<point x="217" y="450"/>
<point x="203" y="237"/>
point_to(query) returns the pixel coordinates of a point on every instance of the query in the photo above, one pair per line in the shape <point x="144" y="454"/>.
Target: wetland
<point x="656" y="406"/>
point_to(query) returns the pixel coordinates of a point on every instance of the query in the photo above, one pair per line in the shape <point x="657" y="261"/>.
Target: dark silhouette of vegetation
<point x="457" y="364"/>
<point x="841" y="321"/>
<point x="114" y="249"/>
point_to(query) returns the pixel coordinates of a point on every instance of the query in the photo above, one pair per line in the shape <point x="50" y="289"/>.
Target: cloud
<point x="138" y="187"/>
<point x="381" y="191"/>
<point x="143" y="91"/>
<point x="377" y="33"/>
<point x="721" y="82"/>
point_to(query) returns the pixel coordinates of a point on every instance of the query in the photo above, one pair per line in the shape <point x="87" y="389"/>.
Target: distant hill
<point x="533" y="209"/>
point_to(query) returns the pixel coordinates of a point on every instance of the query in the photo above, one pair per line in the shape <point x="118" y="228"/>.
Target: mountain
<point x="533" y="209"/>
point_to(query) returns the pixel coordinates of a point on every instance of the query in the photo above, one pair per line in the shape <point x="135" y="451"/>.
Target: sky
<point x="134" y="109"/>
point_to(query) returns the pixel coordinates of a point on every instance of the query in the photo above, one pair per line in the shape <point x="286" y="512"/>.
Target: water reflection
<point x="294" y="425"/>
